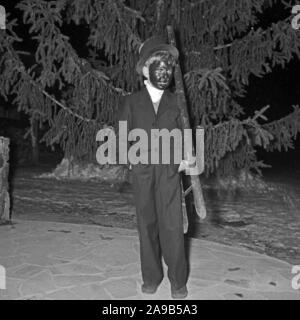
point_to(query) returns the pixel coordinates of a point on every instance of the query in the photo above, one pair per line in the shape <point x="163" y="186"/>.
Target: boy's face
<point x="161" y="71"/>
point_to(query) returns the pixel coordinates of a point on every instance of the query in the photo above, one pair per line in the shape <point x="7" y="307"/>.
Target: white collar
<point x="154" y="93"/>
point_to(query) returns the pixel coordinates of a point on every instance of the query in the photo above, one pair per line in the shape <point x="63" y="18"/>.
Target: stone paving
<point x="50" y="260"/>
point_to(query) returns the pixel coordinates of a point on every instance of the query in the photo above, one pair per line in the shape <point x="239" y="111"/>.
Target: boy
<point x="157" y="188"/>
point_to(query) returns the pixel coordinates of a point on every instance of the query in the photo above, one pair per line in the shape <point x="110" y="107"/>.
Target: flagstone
<point x="238" y="272"/>
<point x="12" y="261"/>
<point x="74" y="239"/>
<point x="41" y="227"/>
<point x="36" y="239"/>
<point x="243" y="295"/>
<point x="121" y="289"/>
<point x="66" y="261"/>
<point x="73" y="280"/>
<point x="126" y="233"/>
<point x="282" y="295"/>
<point x="199" y="284"/>
<point x="14" y="229"/>
<point x="42" y="260"/>
<point x="91" y="292"/>
<point x="40" y="283"/>
<point x="70" y="252"/>
<point x="112" y="257"/>
<point x="224" y="288"/>
<point x="12" y="290"/>
<point x="33" y="297"/>
<point x="62" y="294"/>
<point x="113" y="245"/>
<point x="239" y="251"/>
<point x="209" y="270"/>
<point x="93" y="240"/>
<point x="271" y="281"/>
<point x="37" y="249"/>
<point x="98" y="229"/>
<point x="123" y="271"/>
<point x="206" y="296"/>
<point x="286" y="272"/>
<point x="75" y="268"/>
<point x="89" y="239"/>
<point x="231" y="258"/>
<point x="243" y="283"/>
<point x="205" y="275"/>
<point x="137" y="297"/>
<point x="73" y="227"/>
<point x="7" y="249"/>
<point x="206" y="244"/>
<point x="6" y="231"/>
<point x="268" y="263"/>
<point x="136" y="247"/>
<point x="194" y="289"/>
<point x="24" y="271"/>
<point x="196" y="254"/>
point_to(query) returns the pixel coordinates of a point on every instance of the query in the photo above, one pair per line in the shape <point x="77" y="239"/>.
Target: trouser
<point x="157" y="193"/>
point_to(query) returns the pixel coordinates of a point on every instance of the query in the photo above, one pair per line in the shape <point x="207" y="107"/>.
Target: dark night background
<point x="279" y="89"/>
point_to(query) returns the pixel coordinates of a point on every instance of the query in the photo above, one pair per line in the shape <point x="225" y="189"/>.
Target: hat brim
<point x="163" y="47"/>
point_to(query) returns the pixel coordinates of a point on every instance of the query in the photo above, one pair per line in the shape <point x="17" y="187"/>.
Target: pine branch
<point x="50" y="97"/>
<point x="123" y="22"/>
<point x="198" y="53"/>
<point x="64" y="107"/>
<point x="219" y="47"/>
<point x="21" y="68"/>
<point x="236" y="41"/>
<point x="135" y="13"/>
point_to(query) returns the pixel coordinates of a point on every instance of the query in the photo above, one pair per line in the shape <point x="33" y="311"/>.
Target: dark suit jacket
<point x="137" y="109"/>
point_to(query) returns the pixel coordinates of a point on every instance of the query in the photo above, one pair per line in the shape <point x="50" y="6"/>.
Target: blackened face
<point x="161" y="73"/>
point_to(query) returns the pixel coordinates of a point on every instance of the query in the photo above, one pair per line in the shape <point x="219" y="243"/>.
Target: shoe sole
<point x="149" y="290"/>
<point x="179" y="296"/>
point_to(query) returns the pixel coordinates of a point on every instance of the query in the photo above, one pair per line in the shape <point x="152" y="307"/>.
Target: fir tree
<point x="221" y="42"/>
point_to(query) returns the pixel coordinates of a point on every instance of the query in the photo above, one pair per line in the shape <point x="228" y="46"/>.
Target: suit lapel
<point x="163" y="104"/>
<point x="147" y="104"/>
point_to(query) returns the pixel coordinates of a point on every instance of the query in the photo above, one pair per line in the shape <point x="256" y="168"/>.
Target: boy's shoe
<point x="149" y="289"/>
<point x="179" y="293"/>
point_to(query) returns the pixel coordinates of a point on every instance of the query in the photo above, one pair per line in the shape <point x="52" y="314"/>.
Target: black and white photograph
<point x="150" y="153"/>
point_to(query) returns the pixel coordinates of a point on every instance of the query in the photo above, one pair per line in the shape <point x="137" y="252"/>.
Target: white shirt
<point x="154" y="93"/>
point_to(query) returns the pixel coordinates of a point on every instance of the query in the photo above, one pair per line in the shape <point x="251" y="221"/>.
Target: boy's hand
<point x="186" y="165"/>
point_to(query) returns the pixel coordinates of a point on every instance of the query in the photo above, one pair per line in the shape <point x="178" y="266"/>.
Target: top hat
<point x="149" y="47"/>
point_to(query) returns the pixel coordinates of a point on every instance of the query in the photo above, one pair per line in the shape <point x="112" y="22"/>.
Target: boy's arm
<point x="188" y="161"/>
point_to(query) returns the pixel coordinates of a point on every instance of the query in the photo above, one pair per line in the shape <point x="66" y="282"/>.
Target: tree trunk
<point x="34" y="141"/>
<point x="4" y="169"/>
<point x="160" y="6"/>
